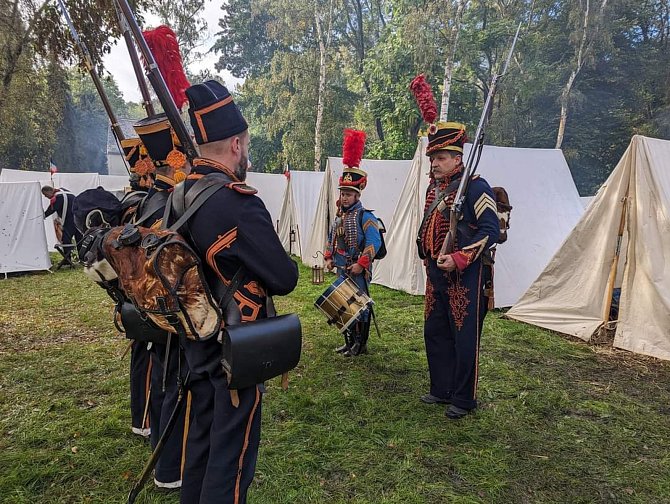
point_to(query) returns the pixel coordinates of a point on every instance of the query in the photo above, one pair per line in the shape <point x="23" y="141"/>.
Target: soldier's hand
<point x="355" y="269"/>
<point x="329" y="265"/>
<point x="446" y="262"/>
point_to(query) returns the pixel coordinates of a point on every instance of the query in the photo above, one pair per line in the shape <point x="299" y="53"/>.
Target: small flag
<point x="52" y="167"/>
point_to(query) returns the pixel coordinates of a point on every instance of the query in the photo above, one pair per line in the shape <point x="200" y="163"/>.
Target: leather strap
<point x="185" y="204"/>
<point x="155" y="202"/>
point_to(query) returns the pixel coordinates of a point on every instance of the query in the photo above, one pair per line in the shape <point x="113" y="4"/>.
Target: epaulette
<point x="242" y="188"/>
<point x="475" y="176"/>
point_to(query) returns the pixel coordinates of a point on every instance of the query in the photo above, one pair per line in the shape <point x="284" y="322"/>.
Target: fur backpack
<point x="158" y="271"/>
<point x="504" y="211"/>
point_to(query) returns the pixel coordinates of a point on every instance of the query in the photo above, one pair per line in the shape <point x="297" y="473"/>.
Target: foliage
<point x="381" y="44"/>
<point x="559" y="421"/>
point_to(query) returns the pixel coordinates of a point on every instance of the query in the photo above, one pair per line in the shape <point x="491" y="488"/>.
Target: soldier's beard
<point x="241" y="168"/>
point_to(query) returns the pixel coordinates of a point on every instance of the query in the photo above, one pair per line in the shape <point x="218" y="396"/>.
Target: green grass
<point x="559" y="421"/>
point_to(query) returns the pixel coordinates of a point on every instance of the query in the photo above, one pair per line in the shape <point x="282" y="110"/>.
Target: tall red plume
<point x="164" y="46"/>
<point x="352" y="147"/>
<point x="423" y="95"/>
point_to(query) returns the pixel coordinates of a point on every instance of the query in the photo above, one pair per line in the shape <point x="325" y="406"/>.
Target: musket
<point x="158" y="83"/>
<point x="135" y="60"/>
<point x="88" y="62"/>
<point x="474" y="156"/>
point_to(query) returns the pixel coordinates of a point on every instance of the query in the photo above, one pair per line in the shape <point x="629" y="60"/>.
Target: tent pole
<point x="615" y="261"/>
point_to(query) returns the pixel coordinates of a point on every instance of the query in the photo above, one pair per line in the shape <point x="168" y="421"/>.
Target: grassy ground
<point x="559" y="421"/>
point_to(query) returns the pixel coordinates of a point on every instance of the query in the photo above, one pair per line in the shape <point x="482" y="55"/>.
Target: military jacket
<point x="232" y="229"/>
<point x="478" y="229"/>
<point x="358" y="240"/>
<point x="62" y="204"/>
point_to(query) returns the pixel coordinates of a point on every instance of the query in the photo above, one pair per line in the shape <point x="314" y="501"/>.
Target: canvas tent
<point x="23" y="244"/>
<point x="299" y="205"/>
<point x="586" y="200"/>
<point x="546" y="208"/>
<point x="74" y="182"/>
<point x="271" y="188"/>
<point x="385" y="181"/>
<point x="572" y="293"/>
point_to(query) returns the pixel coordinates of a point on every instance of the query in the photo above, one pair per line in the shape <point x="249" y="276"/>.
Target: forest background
<point x="585" y="76"/>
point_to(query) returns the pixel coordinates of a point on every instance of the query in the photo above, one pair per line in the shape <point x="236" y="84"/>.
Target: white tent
<point x="586" y="200"/>
<point x="43" y="178"/>
<point x="546" y="208"/>
<point x="385" y="181"/>
<point x="572" y="294"/>
<point x="23" y="244"/>
<point x="115" y="184"/>
<point x="301" y="199"/>
<point x="271" y="188"/>
<point x="73" y="182"/>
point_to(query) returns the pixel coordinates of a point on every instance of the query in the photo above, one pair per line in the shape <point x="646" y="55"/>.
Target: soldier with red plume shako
<point x="458" y="284"/>
<point x="354" y="239"/>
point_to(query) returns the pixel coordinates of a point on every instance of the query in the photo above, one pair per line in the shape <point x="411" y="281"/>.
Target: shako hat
<point x="352" y="152"/>
<point x="441" y="135"/>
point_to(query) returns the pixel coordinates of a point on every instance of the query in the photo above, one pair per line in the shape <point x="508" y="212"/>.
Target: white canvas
<point x="271" y="188"/>
<point x="23" y="244"/>
<point x="570" y="294"/>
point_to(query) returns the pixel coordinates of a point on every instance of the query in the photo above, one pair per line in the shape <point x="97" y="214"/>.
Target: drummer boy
<point x="354" y="239"/>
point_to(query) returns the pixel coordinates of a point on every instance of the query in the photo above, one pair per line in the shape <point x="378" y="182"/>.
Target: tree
<point x="244" y="42"/>
<point x="323" y="22"/>
<point x="35" y="26"/>
<point x="184" y="19"/>
<point x="590" y="27"/>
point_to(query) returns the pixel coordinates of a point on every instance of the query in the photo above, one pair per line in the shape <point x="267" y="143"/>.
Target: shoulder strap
<point x="186" y="203"/>
<point x="438" y="199"/>
<point x="149" y="207"/>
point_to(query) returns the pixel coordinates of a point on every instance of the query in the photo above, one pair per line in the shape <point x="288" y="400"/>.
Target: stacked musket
<point x="160" y="153"/>
<point x="154" y="44"/>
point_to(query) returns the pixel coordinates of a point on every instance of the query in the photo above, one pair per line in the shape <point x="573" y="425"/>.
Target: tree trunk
<point x="584" y="47"/>
<point x="449" y="64"/>
<point x="324" y="44"/>
<point x="319" y="106"/>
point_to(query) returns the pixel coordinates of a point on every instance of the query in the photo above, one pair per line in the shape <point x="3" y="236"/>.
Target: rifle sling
<point x="438" y="199"/>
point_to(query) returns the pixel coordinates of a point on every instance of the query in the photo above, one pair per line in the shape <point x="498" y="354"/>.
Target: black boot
<point x="348" y="341"/>
<point x="357" y="343"/>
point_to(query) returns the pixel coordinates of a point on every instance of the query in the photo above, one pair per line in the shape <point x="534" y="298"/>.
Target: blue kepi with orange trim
<point x="213" y="113"/>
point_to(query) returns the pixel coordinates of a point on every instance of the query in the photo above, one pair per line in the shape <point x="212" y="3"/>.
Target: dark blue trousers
<point x="454" y="316"/>
<point x="168" y="467"/>
<point x="140" y="368"/>
<point x="223" y="440"/>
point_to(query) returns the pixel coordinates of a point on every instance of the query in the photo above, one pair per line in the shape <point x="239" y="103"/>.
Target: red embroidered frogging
<point x="458" y="301"/>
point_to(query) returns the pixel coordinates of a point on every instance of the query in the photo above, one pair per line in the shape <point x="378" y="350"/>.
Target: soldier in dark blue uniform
<point x="231" y="230"/>
<point x="61" y="202"/>
<point x="157" y="136"/>
<point x="140" y="358"/>
<point x="354" y="239"/>
<point x="458" y="284"/>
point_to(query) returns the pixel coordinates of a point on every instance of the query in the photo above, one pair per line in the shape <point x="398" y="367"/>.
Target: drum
<point x="343" y="303"/>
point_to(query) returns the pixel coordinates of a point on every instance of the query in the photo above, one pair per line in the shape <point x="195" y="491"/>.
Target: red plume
<point x="352" y="147"/>
<point x="164" y="46"/>
<point x="423" y="95"/>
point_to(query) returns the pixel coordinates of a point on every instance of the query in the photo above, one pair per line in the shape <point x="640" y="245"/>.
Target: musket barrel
<point x="157" y="82"/>
<point x="135" y="60"/>
<point x="116" y="127"/>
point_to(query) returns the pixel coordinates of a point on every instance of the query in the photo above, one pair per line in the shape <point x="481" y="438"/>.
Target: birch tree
<point x="449" y="63"/>
<point x="323" y="22"/>
<point x="590" y="28"/>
